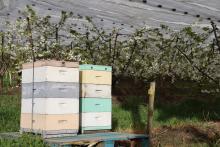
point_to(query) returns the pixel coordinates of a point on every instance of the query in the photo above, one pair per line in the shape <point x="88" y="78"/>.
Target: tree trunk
<point x="151" y="93"/>
<point x="1" y="84"/>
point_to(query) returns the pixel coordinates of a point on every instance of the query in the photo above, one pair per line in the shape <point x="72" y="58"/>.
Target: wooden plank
<point x="95" y="67"/>
<point x="87" y="138"/>
<point x="97" y="137"/>
<point x="51" y="63"/>
<point x="95" y="129"/>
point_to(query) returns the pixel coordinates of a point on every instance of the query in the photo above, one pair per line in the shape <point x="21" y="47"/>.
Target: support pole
<point x="2" y="59"/>
<point x="109" y="143"/>
<point x="151" y="93"/>
<point x="33" y="60"/>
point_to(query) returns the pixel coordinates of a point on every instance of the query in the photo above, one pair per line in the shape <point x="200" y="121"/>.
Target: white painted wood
<point x="95" y="91"/>
<point x="96" y="119"/>
<point x="51" y="106"/>
<point x="51" y="74"/>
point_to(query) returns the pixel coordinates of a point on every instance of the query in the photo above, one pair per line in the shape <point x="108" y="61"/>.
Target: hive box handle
<point x="62" y="70"/>
<point x="98" y="90"/>
<point x="98" y="76"/>
<point x="62" y="104"/>
<point x="62" y="121"/>
<point x="62" y="89"/>
<point x="97" y="117"/>
<point x="63" y="63"/>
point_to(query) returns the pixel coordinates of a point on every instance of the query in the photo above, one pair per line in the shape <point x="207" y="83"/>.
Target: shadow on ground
<point x="175" y="104"/>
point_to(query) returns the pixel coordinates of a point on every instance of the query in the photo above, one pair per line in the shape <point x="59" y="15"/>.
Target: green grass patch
<point x="9" y="113"/>
<point x="132" y="113"/>
<point x="23" y="141"/>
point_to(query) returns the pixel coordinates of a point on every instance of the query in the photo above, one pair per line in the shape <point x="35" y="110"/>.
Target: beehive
<point x="55" y="98"/>
<point x="95" y="97"/>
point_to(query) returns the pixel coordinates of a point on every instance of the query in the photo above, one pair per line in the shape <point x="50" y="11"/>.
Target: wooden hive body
<point x="56" y="98"/>
<point x="95" y="98"/>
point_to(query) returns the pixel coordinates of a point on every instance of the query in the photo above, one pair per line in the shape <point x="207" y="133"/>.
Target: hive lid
<point x="55" y="63"/>
<point x="95" y="67"/>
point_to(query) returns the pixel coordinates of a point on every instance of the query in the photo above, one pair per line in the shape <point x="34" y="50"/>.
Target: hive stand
<point x="107" y="139"/>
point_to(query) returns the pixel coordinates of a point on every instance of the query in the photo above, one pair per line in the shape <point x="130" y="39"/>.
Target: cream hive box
<point x="95" y="98"/>
<point x="55" y="95"/>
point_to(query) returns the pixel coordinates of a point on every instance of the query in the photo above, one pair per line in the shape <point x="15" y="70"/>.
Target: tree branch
<point x="216" y="36"/>
<point x="191" y="62"/>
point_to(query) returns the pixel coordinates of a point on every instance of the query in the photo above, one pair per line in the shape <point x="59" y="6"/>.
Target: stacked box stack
<point x="55" y="93"/>
<point x="95" y="97"/>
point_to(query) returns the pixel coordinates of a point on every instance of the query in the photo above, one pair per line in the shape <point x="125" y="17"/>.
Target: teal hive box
<point x="95" y="67"/>
<point x="96" y="105"/>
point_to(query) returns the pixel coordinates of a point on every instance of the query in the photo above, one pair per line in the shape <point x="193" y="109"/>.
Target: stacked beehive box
<point x="56" y="98"/>
<point x="95" y="97"/>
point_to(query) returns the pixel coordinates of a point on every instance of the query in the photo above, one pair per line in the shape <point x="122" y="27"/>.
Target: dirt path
<point x="189" y="135"/>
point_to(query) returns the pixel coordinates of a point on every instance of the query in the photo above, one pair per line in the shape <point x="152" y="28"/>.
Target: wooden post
<point x="151" y="93"/>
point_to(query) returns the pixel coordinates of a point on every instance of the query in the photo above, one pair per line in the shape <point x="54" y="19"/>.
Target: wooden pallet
<point x="108" y="139"/>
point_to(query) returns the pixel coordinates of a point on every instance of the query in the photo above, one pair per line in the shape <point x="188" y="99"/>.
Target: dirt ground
<point x="206" y="135"/>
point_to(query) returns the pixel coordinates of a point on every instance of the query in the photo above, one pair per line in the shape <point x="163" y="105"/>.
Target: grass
<point x="9" y="122"/>
<point x="23" y="141"/>
<point x="9" y="113"/>
<point x="129" y="115"/>
<point x="133" y="114"/>
<point x="178" y="119"/>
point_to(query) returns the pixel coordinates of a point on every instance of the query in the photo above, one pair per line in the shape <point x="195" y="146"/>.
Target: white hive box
<point x="94" y="91"/>
<point x="55" y="98"/>
<point x="51" y="106"/>
<point x="51" y="74"/>
<point x="96" y="121"/>
<point x="95" y="98"/>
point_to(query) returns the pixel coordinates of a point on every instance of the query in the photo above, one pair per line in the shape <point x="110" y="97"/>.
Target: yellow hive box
<point x="95" y="74"/>
<point x="50" y="123"/>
